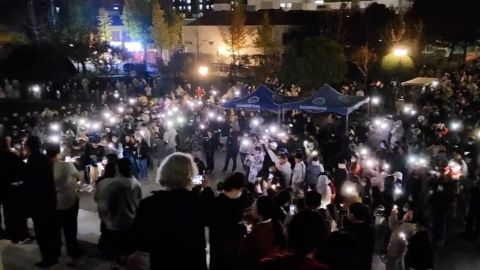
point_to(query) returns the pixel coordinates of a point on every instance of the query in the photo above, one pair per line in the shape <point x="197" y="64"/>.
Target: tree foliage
<point x="160" y="30"/>
<point x="137" y="18"/>
<point x="264" y="38"/>
<point x="104" y="23"/>
<point x="449" y="23"/>
<point x="77" y="31"/>
<point x="236" y="36"/>
<point x="312" y="62"/>
<point x="166" y="27"/>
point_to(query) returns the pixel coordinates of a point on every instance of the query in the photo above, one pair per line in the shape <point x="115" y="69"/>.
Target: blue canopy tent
<point x="261" y="99"/>
<point x="328" y="100"/>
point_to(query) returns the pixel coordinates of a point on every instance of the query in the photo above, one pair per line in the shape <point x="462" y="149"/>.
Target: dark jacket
<point x="232" y="143"/>
<point x="170" y="225"/>
<point x="226" y="232"/>
<point x="39" y="184"/>
<point x="420" y="251"/>
<point x="364" y="235"/>
<point x="143" y="150"/>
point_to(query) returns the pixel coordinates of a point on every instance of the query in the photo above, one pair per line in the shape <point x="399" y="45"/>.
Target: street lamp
<point x="203" y="71"/>
<point x="400" y="52"/>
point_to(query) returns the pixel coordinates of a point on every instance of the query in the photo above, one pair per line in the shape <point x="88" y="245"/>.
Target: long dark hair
<point x="266" y="208"/>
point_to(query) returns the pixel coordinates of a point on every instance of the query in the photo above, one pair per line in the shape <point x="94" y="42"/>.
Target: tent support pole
<point x="279" y="112"/>
<point x="346" y="124"/>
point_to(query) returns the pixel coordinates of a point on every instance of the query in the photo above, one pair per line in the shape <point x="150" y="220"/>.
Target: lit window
<point x="289" y="5"/>
<point x="115" y="8"/>
<point x="319" y="2"/>
<point x="200" y="6"/>
<point x="189" y="8"/>
<point x="282" y="5"/>
<point x="189" y="1"/>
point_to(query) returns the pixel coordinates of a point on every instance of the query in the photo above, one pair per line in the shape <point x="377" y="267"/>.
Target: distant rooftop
<point x="277" y="17"/>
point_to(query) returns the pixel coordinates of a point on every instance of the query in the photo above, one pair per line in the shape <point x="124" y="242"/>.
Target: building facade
<point x="322" y="4"/>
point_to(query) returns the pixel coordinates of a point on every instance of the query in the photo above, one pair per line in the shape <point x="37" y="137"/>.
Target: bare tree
<point x="363" y="59"/>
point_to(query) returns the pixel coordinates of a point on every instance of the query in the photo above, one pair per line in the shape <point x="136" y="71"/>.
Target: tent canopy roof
<point x="419" y="81"/>
<point x="327" y="99"/>
<point x="261" y="99"/>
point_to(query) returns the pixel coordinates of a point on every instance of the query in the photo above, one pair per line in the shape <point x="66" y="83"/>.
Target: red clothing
<point x="291" y="262"/>
<point x="258" y="244"/>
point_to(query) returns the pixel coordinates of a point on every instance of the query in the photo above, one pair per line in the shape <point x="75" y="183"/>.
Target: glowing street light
<point x="375" y="100"/>
<point x="203" y="70"/>
<point x="36" y="88"/>
<point x="400" y="52"/>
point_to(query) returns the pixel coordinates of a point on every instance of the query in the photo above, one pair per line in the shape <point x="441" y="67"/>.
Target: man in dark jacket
<point x="40" y="188"/>
<point x="12" y="194"/>
<point x="363" y="233"/>
<point x="232" y="150"/>
<point x="210" y="144"/>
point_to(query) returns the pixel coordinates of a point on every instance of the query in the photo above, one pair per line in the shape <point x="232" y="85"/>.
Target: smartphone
<point x="68" y="159"/>
<point x="292" y="209"/>
<point x="197" y="180"/>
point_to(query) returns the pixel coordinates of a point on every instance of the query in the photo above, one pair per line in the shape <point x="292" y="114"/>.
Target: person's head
<point x="306" y="232"/>
<point x="233" y="186"/>
<point x="341" y="245"/>
<point x="282" y="158"/>
<point x="176" y="171"/>
<point x="263" y="208"/>
<point x="283" y="198"/>
<point x="52" y="149"/>
<point x="313" y="200"/>
<point x="357" y="213"/>
<point x="124" y="167"/>
<point x="110" y="168"/>
<point x="33" y="144"/>
<point x="258" y="149"/>
<point x="298" y="157"/>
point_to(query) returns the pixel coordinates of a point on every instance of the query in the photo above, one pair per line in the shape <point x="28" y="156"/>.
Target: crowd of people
<point x="308" y="194"/>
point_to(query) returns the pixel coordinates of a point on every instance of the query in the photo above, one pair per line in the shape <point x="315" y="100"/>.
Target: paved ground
<point x="458" y="254"/>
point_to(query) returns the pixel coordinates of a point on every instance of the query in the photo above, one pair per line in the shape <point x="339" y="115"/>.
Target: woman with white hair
<point x="170" y="224"/>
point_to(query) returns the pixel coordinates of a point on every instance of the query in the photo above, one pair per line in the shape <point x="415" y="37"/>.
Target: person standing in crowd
<point x="306" y="232"/>
<point x="169" y="137"/>
<point x="66" y="177"/>
<point x="440" y="202"/>
<point x="40" y="186"/>
<point x="232" y="146"/>
<point x="210" y="144"/>
<point x="142" y="156"/>
<point x="299" y="172"/>
<point x="117" y="201"/>
<point x="157" y="150"/>
<point x="255" y="163"/>
<point x="324" y="189"/>
<point x="420" y="248"/>
<point x="226" y="229"/>
<point x="266" y="237"/>
<point x="12" y="194"/>
<point x="314" y="169"/>
<point x="363" y="233"/>
<point x="176" y="238"/>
